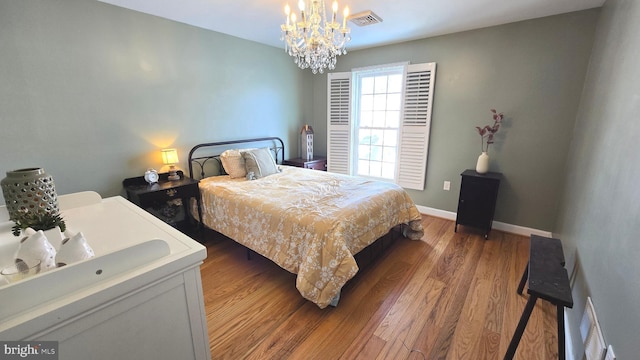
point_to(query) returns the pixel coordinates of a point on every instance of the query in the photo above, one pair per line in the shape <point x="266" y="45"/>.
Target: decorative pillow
<point x="233" y="163"/>
<point x="260" y="162"/>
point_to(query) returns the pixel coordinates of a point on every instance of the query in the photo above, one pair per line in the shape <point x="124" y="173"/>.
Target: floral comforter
<point x="309" y="222"/>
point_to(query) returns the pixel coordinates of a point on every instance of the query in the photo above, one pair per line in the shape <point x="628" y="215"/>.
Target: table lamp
<point x="170" y="157"/>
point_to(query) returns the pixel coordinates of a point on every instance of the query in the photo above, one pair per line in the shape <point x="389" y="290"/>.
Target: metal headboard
<point x="202" y="160"/>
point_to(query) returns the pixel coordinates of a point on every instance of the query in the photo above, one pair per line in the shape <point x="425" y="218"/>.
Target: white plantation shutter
<point x="415" y="125"/>
<point x="339" y="123"/>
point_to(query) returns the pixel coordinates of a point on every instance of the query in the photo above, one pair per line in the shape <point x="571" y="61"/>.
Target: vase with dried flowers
<point x="486" y="138"/>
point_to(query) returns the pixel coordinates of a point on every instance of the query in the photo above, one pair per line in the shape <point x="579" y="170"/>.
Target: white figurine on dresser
<point x="139" y="297"/>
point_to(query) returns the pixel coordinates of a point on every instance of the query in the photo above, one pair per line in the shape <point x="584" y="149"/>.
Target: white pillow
<point x="233" y="163"/>
<point x="260" y="162"/>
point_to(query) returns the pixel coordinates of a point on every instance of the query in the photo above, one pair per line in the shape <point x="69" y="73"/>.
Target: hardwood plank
<point x="473" y="318"/>
<point x="341" y="330"/>
<point x="449" y="269"/>
<point x="550" y="327"/>
<point x="366" y="299"/>
<point x="454" y="300"/>
<point x="370" y="350"/>
<point x="406" y="319"/>
<point x="514" y="303"/>
<point x="433" y="230"/>
<point x="466" y="343"/>
<point x="489" y="346"/>
<point x="448" y="296"/>
<point x="498" y="296"/>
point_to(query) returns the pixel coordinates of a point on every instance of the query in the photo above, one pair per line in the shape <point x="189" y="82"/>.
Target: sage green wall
<point x="599" y="219"/>
<point x="533" y="71"/>
<point x="92" y="92"/>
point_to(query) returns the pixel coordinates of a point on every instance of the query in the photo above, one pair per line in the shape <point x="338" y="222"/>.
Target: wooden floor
<point x="449" y="296"/>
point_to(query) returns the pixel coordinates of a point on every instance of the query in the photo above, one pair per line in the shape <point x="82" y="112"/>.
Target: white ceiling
<point x="259" y="20"/>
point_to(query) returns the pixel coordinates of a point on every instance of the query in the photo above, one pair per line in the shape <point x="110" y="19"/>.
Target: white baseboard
<point x="568" y="345"/>
<point x="449" y="215"/>
<point x="514" y="229"/>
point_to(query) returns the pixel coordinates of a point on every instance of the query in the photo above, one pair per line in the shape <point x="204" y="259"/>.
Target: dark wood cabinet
<point x="477" y="202"/>
<point x="317" y="163"/>
<point x="159" y="196"/>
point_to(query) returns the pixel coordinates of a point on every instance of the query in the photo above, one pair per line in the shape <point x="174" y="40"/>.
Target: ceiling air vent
<point x="365" y="18"/>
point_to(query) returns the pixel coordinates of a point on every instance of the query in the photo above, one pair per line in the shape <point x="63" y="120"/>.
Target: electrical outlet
<point x="447" y="185"/>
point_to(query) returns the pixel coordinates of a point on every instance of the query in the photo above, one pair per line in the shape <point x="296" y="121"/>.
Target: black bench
<point x="548" y="280"/>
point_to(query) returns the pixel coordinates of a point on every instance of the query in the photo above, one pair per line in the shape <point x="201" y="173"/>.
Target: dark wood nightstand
<point x="317" y="163"/>
<point x="156" y="197"/>
<point x="477" y="202"/>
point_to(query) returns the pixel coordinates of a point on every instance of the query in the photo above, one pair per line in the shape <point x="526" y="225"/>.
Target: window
<point x="378" y="99"/>
<point x="379" y="127"/>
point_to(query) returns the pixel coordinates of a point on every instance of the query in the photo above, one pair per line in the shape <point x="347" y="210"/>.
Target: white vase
<point x="73" y="249"/>
<point x="35" y="247"/>
<point x="54" y="236"/>
<point x="482" y="166"/>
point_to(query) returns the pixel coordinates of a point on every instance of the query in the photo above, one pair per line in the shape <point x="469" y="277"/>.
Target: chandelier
<point x="314" y="42"/>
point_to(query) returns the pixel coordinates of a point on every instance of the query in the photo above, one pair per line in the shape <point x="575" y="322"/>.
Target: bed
<point x="308" y="222"/>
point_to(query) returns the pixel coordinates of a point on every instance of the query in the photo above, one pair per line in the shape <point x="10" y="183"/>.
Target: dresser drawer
<point x="161" y="196"/>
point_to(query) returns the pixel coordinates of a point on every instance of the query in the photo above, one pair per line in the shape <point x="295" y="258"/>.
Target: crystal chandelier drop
<point x="315" y="42"/>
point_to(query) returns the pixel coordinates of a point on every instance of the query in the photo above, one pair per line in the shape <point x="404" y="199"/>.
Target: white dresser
<point x="140" y="297"/>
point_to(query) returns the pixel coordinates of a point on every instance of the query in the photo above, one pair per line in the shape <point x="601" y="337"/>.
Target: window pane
<point x="366" y="118"/>
<point x="376" y="153"/>
<point x="366" y="102"/>
<point x="377" y="136"/>
<point x="379" y="119"/>
<point x="375" y="168"/>
<point x="367" y="85"/>
<point x="393" y="102"/>
<point x="381" y="85"/>
<point x="364" y="137"/>
<point x="389" y="154"/>
<point x="380" y="102"/>
<point x="390" y="138"/>
<point x="395" y="83"/>
<point x="363" y="167"/>
<point x="393" y="119"/>
<point x="363" y="152"/>
<point x="388" y="170"/>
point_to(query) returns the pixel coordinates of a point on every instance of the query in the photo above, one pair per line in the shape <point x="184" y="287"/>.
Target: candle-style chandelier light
<point x="315" y="41"/>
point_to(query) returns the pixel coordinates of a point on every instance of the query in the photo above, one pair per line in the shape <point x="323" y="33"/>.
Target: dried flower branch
<point x="488" y="131"/>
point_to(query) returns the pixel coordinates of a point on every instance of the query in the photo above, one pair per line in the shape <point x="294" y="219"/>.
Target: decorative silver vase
<point x="29" y="190"/>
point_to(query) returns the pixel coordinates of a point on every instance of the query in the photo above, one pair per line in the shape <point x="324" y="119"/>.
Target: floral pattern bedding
<point x="309" y="222"/>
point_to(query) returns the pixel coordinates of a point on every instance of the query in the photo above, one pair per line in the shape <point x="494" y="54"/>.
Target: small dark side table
<point x="477" y="201"/>
<point x="157" y="195"/>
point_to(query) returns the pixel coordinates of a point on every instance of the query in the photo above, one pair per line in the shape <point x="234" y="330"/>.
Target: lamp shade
<point x="169" y="156"/>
